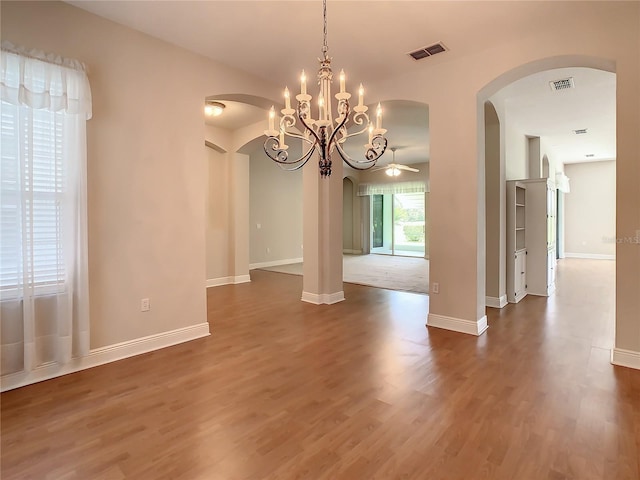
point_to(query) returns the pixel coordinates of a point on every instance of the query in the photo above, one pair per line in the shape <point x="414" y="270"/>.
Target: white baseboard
<point x="323" y="298"/>
<point x="107" y="354"/>
<point x="496" y="302"/>
<point x="625" y="358"/>
<point x="216" y="282"/>
<point x="275" y="263"/>
<point x="592" y="256"/>
<point x="457" y="324"/>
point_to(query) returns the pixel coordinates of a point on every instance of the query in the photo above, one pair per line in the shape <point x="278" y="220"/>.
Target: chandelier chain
<point x="325" y="48"/>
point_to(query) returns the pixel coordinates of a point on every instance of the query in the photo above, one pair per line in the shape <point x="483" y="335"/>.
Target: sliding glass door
<point x="398" y="224"/>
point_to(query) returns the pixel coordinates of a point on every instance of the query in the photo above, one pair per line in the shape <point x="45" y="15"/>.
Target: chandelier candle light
<point x="321" y="133"/>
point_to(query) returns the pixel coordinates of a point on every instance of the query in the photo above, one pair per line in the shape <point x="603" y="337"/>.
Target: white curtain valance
<point x="365" y="189"/>
<point x="44" y="81"/>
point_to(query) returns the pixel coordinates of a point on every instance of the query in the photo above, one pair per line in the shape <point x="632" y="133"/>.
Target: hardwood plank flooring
<point x="357" y="390"/>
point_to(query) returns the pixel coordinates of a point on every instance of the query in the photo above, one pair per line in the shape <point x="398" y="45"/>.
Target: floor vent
<point x="562" y="84"/>
<point x="590" y="155"/>
<point x="580" y="131"/>
<point x="429" y="51"/>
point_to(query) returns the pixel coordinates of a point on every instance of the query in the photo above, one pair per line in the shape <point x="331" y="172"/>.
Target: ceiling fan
<point x="394" y="169"/>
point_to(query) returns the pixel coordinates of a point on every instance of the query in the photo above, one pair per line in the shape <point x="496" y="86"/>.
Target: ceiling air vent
<point x="590" y="155"/>
<point x="562" y="84"/>
<point x="425" y="52"/>
<point x="580" y="131"/>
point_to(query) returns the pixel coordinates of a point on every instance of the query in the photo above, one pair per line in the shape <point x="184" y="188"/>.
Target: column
<point x="322" y="234"/>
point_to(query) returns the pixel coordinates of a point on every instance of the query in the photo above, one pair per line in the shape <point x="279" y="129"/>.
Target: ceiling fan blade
<point x="384" y="167"/>
<point x="408" y="169"/>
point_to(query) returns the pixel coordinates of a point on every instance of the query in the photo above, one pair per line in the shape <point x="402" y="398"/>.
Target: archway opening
<point x="546" y="134"/>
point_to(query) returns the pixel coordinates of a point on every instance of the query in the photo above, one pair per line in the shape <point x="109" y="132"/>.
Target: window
<point x="32" y="194"/>
<point x="44" y="294"/>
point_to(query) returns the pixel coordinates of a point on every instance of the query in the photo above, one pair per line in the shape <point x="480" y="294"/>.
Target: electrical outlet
<point x="145" y="305"/>
<point x="435" y="288"/>
<point x="268" y="250"/>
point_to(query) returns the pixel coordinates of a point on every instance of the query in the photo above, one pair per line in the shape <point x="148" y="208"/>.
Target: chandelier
<point x="324" y="133"/>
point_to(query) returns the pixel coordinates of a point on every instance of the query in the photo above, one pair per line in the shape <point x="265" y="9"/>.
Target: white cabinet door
<point x="520" y="274"/>
<point x="551" y="271"/>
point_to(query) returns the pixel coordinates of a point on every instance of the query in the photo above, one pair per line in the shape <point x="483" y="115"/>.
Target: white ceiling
<point x="536" y="110"/>
<point x="274" y="40"/>
<point x="369" y="39"/>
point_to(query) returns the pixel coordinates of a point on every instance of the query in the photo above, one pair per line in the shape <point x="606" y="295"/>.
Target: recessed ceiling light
<point x="213" y="109"/>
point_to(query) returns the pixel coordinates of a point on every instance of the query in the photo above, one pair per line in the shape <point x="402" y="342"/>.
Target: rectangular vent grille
<point x="429" y="51"/>
<point x="562" y="84"/>
<point x="589" y="155"/>
<point x="580" y="131"/>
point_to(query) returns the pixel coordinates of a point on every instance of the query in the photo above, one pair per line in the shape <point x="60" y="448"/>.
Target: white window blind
<point x="32" y="194"/>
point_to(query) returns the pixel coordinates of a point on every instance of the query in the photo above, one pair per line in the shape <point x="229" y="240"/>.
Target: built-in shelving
<point x="516" y="241"/>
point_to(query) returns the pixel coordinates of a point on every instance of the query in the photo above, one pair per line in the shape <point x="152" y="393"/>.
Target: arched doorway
<point x="544" y="162"/>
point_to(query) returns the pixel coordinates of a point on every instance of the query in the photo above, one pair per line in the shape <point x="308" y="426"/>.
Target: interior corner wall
<point x="275" y="212"/>
<point x="218" y="210"/>
<point x="495" y="201"/>
<point x="347" y="215"/>
<point x="516" y="151"/>
<point x="147" y="165"/>
<point x="239" y="216"/>
<point x="590" y="210"/>
<point x="534" y="157"/>
<point x="358" y="225"/>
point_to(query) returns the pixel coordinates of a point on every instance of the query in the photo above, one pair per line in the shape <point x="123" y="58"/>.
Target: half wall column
<point x="322" y="234"/>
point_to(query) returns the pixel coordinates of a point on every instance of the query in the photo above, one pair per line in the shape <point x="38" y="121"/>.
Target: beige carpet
<point x="382" y="271"/>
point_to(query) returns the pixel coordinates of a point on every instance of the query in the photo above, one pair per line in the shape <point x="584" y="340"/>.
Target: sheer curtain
<point x="44" y="295"/>
<point x="365" y="189"/>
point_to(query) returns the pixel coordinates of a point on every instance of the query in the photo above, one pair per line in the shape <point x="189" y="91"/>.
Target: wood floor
<point x="358" y="390"/>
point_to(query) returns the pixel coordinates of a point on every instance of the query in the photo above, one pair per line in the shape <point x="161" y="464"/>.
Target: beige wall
<point x="276" y="205"/>
<point x="590" y="209"/>
<point x="147" y="165"/>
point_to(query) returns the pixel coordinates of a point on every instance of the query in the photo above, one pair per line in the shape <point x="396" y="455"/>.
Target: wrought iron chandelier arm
<point x="308" y="127"/>
<point x="345" y="117"/>
<point x="298" y="164"/>
<point x="378" y="147"/>
<point x="281" y="156"/>
<point x="297" y="135"/>
<point x="359" y="118"/>
<point x="358" y="132"/>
